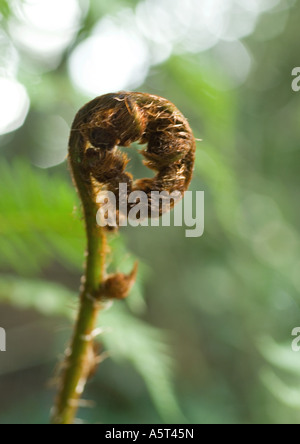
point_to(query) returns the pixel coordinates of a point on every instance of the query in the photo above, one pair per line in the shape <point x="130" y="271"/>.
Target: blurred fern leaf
<point x="37" y="224"/>
<point x="131" y="339"/>
<point x="4" y="8"/>
<point x="147" y="349"/>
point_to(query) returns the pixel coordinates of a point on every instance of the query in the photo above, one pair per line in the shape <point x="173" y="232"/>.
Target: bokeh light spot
<point x="51" y="142"/>
<point x="45" y="28"/>
<point x="14" y="105"/>
<point x="112" y="59"/>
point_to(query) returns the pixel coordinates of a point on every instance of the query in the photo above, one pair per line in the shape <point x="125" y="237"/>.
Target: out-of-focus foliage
<point x="211" y="316"/>
<point x="34" y="234"/>
<point x="37" y="224"/>
<point x="4" y="8"/>
<point x="126" y="338"/>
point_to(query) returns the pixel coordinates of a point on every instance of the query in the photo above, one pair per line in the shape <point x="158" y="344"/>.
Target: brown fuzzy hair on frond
<point x="120" y="119"/>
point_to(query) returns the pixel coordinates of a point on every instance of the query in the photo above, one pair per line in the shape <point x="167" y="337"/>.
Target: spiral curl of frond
<point x="120" y="119"/>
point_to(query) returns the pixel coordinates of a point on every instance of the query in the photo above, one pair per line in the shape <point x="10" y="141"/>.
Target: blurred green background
<point x="206" y="335"/>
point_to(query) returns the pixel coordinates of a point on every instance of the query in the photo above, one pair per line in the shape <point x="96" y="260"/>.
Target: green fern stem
<point x="78" y="362"/>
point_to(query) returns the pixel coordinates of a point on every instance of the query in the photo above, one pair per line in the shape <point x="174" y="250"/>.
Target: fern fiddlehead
<point x="96" y="163"/>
